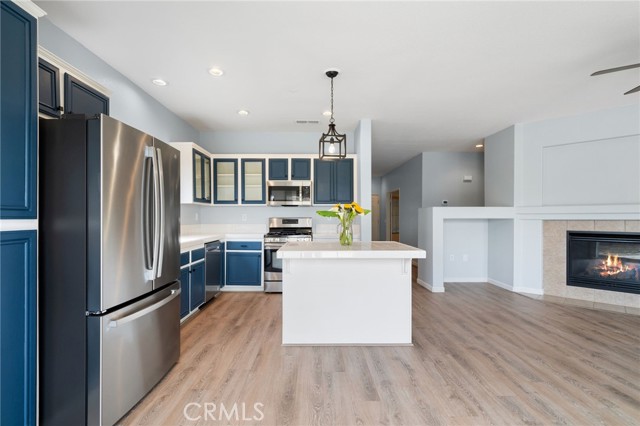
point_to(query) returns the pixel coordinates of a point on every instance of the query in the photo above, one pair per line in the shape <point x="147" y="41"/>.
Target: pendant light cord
<point x="331" y="120"/>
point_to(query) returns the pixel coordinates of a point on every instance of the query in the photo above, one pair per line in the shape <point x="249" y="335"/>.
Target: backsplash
<point x="252" y="219"/>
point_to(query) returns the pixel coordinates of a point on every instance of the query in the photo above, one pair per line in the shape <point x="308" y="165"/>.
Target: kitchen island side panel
<point x="346" y="302"/>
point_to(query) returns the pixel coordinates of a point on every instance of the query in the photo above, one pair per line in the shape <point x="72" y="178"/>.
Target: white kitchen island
<point x="354" y="295"/>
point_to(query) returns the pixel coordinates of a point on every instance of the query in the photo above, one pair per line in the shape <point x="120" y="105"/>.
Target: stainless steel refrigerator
<point x="109" y="263"/>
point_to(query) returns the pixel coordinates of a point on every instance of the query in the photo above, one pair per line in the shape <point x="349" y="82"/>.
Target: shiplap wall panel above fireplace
<point x="602" y="172"/>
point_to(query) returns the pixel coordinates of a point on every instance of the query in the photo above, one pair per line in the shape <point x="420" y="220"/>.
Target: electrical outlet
<point x="197" y="216"/>
<point x="465" y="257"/>
<point x="243" y="217"/>
<point x="451" y="258"/>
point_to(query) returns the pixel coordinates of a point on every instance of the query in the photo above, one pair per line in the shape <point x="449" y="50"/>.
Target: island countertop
<point x="359" y="250"/>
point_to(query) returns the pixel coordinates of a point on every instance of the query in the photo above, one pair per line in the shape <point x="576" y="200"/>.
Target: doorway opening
<point x="393" y="215"/>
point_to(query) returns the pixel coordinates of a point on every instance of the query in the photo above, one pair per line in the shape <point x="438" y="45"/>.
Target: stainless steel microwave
<point x="289" y="192"/>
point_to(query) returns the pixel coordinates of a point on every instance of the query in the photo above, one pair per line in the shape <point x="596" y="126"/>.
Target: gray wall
<point x="218" y="142"/>
<point x="376" y="185"/>
<point x="426" y="180"/>
<point x="499" y="158"/>
<point x="442" y="174"/>
<point x="408" y="179"/>
<point x="266" y="142"/>
<point x="127" y="102"/>
<point x="500" y="252"/>
<point x="362" y="143"/>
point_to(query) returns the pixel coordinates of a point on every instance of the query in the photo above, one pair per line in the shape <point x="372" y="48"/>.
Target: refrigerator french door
<point x="109" y="267"/>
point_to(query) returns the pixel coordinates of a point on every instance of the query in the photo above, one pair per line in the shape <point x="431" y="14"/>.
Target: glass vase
<point x="345" y="232"/>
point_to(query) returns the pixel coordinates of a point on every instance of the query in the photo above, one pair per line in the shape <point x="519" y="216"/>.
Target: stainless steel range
<point x="281" y="231"/>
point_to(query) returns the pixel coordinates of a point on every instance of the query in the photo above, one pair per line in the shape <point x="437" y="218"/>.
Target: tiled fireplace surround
<point x="555" y="257"/>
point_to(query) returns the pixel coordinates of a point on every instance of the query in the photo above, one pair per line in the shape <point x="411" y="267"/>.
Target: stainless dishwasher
<point x="214" y="269"/>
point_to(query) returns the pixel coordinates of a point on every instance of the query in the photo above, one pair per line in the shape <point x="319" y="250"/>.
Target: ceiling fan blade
<point x="626" y="67"/>
<point x="634" y="90"/>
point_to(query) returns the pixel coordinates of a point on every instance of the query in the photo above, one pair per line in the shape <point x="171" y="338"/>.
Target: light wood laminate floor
<point x="481" y="355"/>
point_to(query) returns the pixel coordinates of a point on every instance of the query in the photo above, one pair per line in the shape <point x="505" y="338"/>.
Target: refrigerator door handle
<point x="162" y="213"/>
<point x="156" y="214"/>
<point x="148" y="233"/>
<point x="142" y="312"/>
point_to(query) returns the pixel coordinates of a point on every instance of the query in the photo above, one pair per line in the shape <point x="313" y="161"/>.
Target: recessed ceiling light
<point x="327" y="113"/>
<point x="159" y="82"/>
<point x="479" y="145"/>
<point x="216" y="72"/>
<point x="243" y="112"/>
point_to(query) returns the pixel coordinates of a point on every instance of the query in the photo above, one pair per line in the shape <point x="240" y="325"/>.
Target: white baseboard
<point x="465" y="280"/>
<point x="240" y="288"/>
<point x="528" y="290"/>
<point x="537" y="291"/>
<point x="500" y="284"/>
<point x="430" y="287"/>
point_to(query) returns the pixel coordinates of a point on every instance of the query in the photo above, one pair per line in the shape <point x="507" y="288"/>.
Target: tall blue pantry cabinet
<point x="18" y="214"/>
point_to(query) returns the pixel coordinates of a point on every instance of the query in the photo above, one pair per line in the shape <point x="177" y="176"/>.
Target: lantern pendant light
<point x="333" y="145"/>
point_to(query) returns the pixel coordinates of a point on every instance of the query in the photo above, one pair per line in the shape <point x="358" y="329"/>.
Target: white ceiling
<point x="432" y="76"/>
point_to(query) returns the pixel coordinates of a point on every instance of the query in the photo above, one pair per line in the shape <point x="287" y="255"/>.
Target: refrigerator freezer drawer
<point x="136" y="346"/>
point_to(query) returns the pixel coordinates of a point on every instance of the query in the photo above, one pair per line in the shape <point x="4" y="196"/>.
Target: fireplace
<point x="604" y="260"/>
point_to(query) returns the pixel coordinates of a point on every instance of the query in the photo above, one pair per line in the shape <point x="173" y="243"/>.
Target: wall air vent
<point x="307" y="122"/>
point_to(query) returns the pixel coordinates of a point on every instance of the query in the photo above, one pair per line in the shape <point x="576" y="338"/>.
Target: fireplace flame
<point x="612" y="266"/>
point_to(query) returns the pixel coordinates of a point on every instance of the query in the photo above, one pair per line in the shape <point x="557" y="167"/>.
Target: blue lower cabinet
<point x="18" y="327"/>
<point x="223" y="269"/>
<point x="197" y="285"/>
<point x="185" y="285"/>
<point x="244" y="268"/>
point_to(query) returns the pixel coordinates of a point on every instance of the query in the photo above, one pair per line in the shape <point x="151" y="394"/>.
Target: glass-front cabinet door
<point x="201" y="177"/>
<point x="253" y="181"/>
<point x="225" y="175"/>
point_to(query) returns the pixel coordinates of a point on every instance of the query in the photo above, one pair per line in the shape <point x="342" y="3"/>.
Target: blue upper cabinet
<point x="344" y="181"/>
<point x="82" y="99"/>
<point x="225" y="181"/>
<point x="333" y="181"/>
<point x="253" y="181"/>
<point x="18" y="114"/>
<point x="323" y="182"/>
<point x="301" y="169"/>
<point x="18" y="325"/>
<point x="278" y="168"/>
<point x="48" y="89"/>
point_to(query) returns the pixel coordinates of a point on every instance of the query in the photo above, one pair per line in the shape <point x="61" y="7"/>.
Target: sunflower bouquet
<point x="345" y="213"/>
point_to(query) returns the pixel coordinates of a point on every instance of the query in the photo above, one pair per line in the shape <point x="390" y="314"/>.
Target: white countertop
<point x="194" y="241"/>
<point x="359" y="250"/>
<point x="243" y="237"/>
